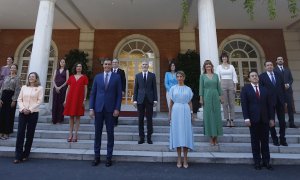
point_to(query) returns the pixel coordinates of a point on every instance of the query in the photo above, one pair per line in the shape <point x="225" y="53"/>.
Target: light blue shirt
<point x="170" y="80"/>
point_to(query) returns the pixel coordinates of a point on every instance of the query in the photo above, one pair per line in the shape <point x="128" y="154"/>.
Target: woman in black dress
<point x="59" y="91"/>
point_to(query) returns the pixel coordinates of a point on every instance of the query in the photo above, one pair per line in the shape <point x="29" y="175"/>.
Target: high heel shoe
<point x="179" y="165"/>
<point x="70" y="139"/>
<point x="185" y="165"/>
<point x="75" y="139"/>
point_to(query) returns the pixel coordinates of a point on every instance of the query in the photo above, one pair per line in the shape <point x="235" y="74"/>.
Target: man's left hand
<point x="116" y="113"/>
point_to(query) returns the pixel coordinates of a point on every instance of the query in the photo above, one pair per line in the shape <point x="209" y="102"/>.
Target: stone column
<point x="42" y="39"/>
<point x="207" y="32"/>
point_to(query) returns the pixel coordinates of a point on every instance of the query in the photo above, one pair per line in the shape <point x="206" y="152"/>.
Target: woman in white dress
<point x="180" y="115"/>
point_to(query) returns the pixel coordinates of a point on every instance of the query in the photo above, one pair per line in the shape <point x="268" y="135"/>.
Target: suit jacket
<point x="121" y="72"/>
<point x="145" y="90"/>
<point x="277" y="91"/>
<point x="287" y="77"/>
<point x="257" y="109"/>
<point x="111" y="98"/>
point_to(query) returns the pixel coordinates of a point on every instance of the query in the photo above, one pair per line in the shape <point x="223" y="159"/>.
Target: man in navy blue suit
<point x="105" y="104"/>
<point x="259" y="115"/>
<point x="274" y="83"/>
<point x="286" y="74"/>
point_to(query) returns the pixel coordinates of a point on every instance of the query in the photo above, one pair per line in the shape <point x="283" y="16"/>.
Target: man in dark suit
<point x="145" y="98"/>
<point x="288" y="81"/>
<point x="105" y="103"/>
<point x="274" y="83"/>
<point x="121" y="72"/>
<point x="259" y="115"/>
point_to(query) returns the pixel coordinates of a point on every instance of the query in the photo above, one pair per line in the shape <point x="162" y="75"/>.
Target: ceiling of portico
<point x="141" y="14"/>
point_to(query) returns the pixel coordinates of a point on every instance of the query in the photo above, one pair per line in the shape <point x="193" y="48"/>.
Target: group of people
<point x="265" y="95"/>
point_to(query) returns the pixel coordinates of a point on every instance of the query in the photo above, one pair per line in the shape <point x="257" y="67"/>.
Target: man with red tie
<point x="259" y="116"/>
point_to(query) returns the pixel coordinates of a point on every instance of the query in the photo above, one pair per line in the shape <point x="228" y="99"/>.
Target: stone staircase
<point x="234" y="147"/>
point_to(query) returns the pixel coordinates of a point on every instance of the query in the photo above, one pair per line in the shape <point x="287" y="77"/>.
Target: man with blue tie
<point x="145" y="98"/>
<point x="259" y="115"/>
<point x="105" y="104"/>
<point x="274" y="83"/>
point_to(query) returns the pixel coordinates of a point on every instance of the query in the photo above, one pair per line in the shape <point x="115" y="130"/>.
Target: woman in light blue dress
<point x="180" y="115"/>
<point x="170" y="80"/>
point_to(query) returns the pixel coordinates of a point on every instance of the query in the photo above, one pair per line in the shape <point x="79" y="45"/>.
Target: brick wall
<point x="11" y="39"/>
<point x="271" y="40"/>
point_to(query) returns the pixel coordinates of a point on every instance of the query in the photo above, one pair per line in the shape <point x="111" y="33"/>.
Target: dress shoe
<point x="141" y="141"/>
<point x="268" y="166"/>
<point x="96" y="162"/>
<point x="108" y="163"/>
<point x="275" y="143"/>
<point x="149" y="141"/>
<point x="283" y="143"/>
<point x="257" y="166"/>
<point x="293" y="126"/>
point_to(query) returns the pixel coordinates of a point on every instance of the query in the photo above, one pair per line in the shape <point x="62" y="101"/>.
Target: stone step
<point x="153" y="156"/>
<point x="157" y="146"/>
<point x="158" y="137"/>
<point x="157" y="129"/>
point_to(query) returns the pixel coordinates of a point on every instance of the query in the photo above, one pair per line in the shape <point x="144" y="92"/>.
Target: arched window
<point x="131" y="52"/>
<point x="244" y="57"/>
<point x="24" y="64"/>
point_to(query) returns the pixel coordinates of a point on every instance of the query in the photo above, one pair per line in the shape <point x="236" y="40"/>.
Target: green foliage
<point x="249" y="6"/>
<point x="189" y="63"/>
<point x="185" y="11"/>
<point x="74" y="56"/>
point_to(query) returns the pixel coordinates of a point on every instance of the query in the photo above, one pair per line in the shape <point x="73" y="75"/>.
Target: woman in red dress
<point x="75" y="99"/>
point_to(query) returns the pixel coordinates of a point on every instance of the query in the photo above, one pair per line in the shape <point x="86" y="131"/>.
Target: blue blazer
<point x="257" y="109"/>
<point x="277" y="91"/>
<point x="109" y="99"/>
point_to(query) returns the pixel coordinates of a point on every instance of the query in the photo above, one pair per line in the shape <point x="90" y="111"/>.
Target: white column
<point x="207" y="32"/>
<point x="42" y="39"/>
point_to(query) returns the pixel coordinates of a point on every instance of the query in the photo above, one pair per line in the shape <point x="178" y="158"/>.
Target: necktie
<point x="106" y="81"/>
<point x="281" y="68"/>
<point x="273" y="79"/>
<point x="115" y="71"/>
<point x="256" y="92"/>
<point x="144" y="77"/>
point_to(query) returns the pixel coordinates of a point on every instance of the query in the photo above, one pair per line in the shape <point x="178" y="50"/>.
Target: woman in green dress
<point x="211" y="97"/>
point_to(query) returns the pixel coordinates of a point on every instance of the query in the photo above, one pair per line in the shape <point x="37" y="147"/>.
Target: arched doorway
<point x="131" y="52"/>
<point x="245" y="57"/>
<point x="23" y="57"/>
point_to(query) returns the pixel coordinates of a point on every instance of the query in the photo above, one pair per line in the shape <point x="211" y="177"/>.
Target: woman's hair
<point x="11" y="58"/>
<point x="224" y="55"/>
<point x="206" y="62"/>
<point x="181" y="73"/>
<point x="74" y="68"/>
<point x="170" y="65"/>
<point x="58" y="65"/>
<point x="15" y="66"/>
<point x="37" y="82"/>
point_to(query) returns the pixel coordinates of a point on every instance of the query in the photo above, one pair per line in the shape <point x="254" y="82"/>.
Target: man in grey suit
<point x="145" y="98"/>
<point x="288" y="81"/>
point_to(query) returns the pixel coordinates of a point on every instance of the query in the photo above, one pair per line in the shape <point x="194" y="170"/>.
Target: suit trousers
<point x="260" y="142"/>
<point x="26" y="123"/>
<point x="290" y="108"/>
<point x="279" y="109"/>
<point x="146" y="105"/>
<point x="100" y="118"/>
<point x="228" y="88"/>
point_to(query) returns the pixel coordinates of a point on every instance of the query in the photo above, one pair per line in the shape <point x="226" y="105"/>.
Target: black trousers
<point x="260" y="142"/>
<point x="7" y="113"/>
<point x="27" y="125"/>
<point x="290" y="108"/>
<point x="279" y="109"/>
<point x="148" y="107"/>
